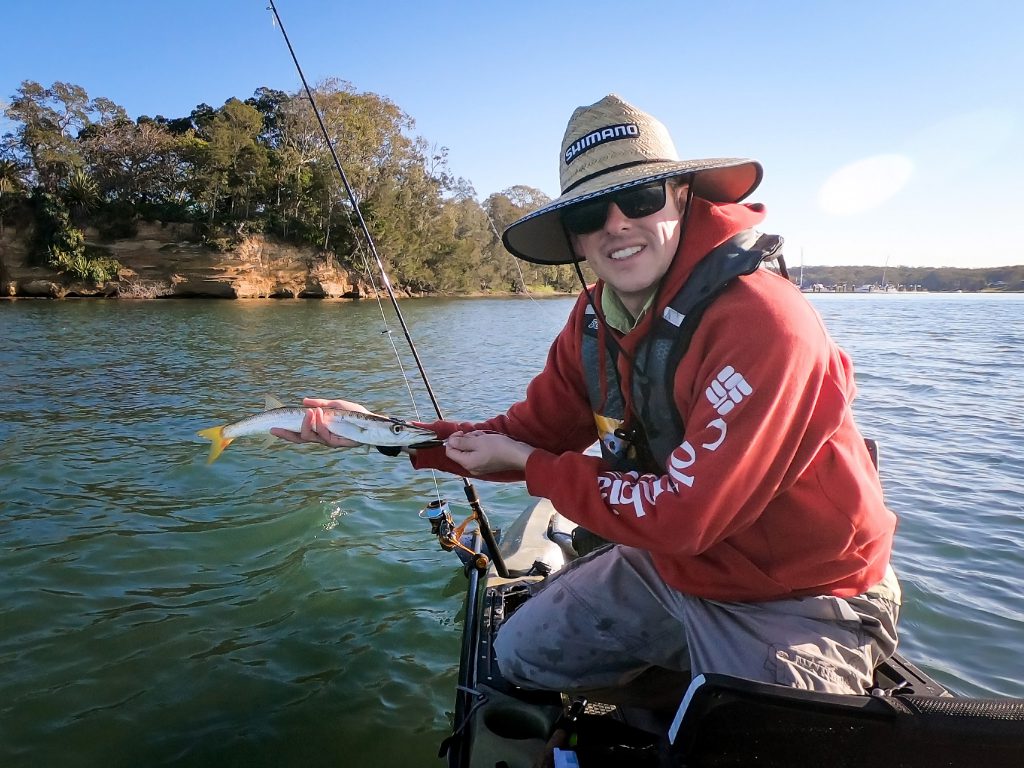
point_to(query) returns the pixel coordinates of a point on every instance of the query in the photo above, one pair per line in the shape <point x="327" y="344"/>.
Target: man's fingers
<point x="322" y="433"/>
<point x="345" y="405"/>
<point x="314" y="429"/>
<point x="286" y="434"/>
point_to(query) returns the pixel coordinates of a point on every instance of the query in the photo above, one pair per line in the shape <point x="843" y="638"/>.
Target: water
<point x="286" y="606"/>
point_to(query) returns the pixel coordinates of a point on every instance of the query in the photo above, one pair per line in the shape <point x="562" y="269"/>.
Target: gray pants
<point x="608" y="627"/>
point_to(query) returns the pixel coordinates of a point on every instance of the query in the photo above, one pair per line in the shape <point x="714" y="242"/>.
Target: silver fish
<point x="364" y="428"/>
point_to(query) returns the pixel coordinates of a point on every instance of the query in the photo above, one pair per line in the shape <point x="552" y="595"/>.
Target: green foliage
<point x="49" y="123"/>
<point x="52" y="224"/>
<point x="263" y="166"/>
<point x="79" y="262"/>
<point x="12" y="188"/>
<point x="81" y="195"/>
<point x="59" y="245"/>
<point x="12" y="176"/>
<point x="220" y="244"/>
<point x="165" y="211"/>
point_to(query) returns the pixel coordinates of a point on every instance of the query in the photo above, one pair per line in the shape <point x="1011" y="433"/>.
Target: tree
<point x="397" y="182"/>
<point x="299" y="147"/>
<point x="49" y="121"/>
<point x="265" y="162"/>
<point x="200" y="118"/>
<point x="228" y="161"/>
<point x="504" y="208"/>
<point x="133" y="163"/>
<point x="177" y="126"/>
<point x="270" y="103"/>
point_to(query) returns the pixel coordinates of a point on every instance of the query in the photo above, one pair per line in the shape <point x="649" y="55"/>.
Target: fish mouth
<point x="434" y="442"/>
<point x="429" y="437"/>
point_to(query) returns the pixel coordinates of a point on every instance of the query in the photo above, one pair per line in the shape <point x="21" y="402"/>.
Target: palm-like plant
<point x="10" y="176"/>
<point x="81" y="194"/>
<point x="11" y="184"/>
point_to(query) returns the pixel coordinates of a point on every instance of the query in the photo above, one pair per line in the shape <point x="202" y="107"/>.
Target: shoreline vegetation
<point x="243" y="201"/>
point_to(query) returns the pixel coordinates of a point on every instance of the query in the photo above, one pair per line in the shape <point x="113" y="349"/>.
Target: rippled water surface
<point x="285" y="606"/>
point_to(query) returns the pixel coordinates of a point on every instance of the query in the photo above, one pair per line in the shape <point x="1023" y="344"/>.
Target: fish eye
<point x="397" y="429"/>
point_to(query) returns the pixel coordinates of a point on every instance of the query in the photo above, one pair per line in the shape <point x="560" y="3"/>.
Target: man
<point x="750" y="535"/>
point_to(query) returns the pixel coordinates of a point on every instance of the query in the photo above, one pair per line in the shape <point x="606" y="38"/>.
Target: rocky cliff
<point x="166" y="260"/>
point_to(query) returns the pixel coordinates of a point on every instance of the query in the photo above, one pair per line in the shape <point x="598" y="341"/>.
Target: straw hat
<point x="609" y="146"/>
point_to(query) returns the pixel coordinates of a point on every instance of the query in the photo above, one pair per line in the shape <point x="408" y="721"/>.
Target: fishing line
<point x="394" y="347"/>
<point x="474" y="500"/>
<point x="515" y="261"/>
<point x="387" y="330"/>
<point x="354" y="202"/>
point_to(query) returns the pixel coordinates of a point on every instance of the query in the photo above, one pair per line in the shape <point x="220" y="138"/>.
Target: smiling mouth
<point x="625" y="253"/>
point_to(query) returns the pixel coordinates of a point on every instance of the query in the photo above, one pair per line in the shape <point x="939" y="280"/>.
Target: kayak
<point x="908" y="719"/>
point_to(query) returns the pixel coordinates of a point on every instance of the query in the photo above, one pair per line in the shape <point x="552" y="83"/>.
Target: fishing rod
<point x="471" y="495"/>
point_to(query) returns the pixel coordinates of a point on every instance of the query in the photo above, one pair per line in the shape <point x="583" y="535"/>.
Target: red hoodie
<point x="771" y="494"/>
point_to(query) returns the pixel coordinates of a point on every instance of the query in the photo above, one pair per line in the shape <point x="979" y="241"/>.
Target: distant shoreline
<point x="480" y="295"/>
<point x="289" y="299"/>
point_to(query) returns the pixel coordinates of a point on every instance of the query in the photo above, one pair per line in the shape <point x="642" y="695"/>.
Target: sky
<point x="891" y="133"/>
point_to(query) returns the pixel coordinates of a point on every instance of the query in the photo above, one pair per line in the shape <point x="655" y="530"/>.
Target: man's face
<point x="632" y="255"/>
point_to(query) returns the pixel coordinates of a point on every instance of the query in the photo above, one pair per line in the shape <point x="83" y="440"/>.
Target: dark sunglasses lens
<point x="585" y="218"/>
<point x="642" y="201"/>
<point x="634" y="203"/>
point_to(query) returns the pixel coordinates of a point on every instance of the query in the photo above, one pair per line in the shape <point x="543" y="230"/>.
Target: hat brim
<point x="540" y="238"/>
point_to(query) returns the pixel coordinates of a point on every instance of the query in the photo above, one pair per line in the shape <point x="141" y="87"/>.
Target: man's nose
<point x="615" y="219"/>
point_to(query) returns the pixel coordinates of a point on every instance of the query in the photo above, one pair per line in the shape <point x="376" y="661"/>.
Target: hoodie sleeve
<point x="761" y="390"/>
<point x="555" y="415"/>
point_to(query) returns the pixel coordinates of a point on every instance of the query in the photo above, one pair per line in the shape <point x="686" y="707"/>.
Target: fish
<point x="365" y="428"/>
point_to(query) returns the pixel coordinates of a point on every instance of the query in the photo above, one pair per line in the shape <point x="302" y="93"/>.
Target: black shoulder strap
<point x="670" y="338"/>
<point x="604" y="393"/>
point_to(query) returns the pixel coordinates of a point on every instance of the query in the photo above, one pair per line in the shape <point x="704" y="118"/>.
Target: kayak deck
<point x="909" y="720"/>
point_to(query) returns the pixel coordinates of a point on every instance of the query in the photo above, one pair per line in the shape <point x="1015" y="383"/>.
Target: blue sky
<point x="890" y="132"/>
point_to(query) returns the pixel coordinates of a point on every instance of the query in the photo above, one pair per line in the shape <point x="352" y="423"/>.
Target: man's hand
<point x="314" y="427"/>
<point x="482" y="453"/>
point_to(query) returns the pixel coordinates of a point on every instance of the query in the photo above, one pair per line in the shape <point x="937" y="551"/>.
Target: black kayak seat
<point x="728" y="721"/>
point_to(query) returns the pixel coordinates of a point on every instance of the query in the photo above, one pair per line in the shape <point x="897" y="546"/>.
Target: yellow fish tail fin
<point x="218" y="442"/>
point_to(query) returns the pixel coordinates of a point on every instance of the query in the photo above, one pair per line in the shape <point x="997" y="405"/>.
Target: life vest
<point x="648" y="444"/>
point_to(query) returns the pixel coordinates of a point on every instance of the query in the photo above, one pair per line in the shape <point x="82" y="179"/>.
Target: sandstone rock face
<point x="168" y="261"/>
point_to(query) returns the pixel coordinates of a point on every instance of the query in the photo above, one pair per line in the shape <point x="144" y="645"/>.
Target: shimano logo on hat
<point x="599" y="137"/>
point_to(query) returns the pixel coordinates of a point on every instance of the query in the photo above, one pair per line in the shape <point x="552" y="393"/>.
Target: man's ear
<point x="680" y="192"/>
<point x="574" y="244"/>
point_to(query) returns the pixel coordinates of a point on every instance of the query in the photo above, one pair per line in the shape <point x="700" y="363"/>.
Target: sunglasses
<point x="635" y="203"/>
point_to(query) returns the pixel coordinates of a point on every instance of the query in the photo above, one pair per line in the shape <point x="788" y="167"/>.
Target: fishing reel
<point x="449" y="535"/>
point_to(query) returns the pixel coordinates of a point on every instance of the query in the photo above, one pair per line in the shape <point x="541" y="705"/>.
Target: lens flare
<point x="864" y="184"/>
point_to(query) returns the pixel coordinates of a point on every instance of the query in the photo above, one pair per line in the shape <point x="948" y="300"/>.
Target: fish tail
<point x="218" y="442"/>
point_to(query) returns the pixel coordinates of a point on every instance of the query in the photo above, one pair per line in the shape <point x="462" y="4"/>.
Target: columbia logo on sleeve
<point x="727" y="389"/>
